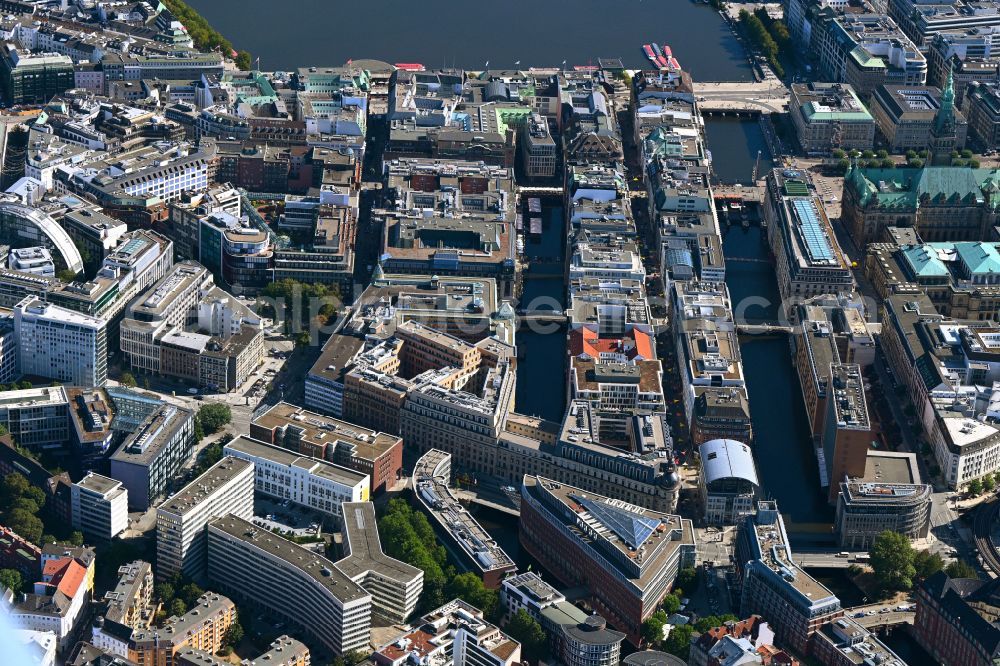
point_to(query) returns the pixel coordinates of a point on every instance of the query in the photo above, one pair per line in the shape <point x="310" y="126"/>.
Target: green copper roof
<point x="907" y="186"/>
<point x="923" y="261"/>
<point x="979" y="258"/>
<point x="865" y="59"/>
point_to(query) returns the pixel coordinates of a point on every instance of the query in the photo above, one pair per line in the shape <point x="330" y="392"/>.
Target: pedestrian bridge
<point x="763" y="329"/>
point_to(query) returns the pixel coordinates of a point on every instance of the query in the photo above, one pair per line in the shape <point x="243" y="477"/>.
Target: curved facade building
<point x="728" y="483"/>
<point x="289" y="583"/>
<point x="22" y="226"/>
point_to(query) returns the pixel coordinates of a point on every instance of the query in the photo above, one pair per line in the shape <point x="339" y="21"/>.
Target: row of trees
<point x="916" y="159"/>
<point x="898" y="567"/>
<point x="986" y="484"/>
<point x="407" y="535"/>
<point x="205" y="37"/>
<point x="764" y="39"/>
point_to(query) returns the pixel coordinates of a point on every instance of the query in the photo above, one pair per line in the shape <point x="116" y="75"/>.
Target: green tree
<point x="190" y="593"/>
<point x="687" y="579"/>
<point x="652" y="628"/>
<point x="76" y="538"/>
<point x="25" y="523"/>
<point x="911" y="154"/>
<point x="988" y="483"/>
<point x="525" y="629"/>
<point x="407" y="535"/>
<point x="127" y="380"/>
<point x="679" y="641"/>
<point x="671" y="604"/>
<point x="882" y="154"/>
<point x="243" y="60"/>
<point x="469" y="588"/>
<point x="974" y="164"/>
<point x="892" y="561"/>
<point x="234" y="634"/>
<point x="210" y="455"/>
<point x="214" y="417"/>
<point x="16" y="486"/>
<point x="927" y="564"/>
<point x="966" y="153"/>
<point x="838" y="154"/>
<point x="164" y="592"/>
<point x="709" y="621"/>
<point x="843" y="165"/>
<point x="178" y="607"/>
<point x="960" y="569"/>
<point x="12" y="580"/>
<point x="975" y="487"/>
<point x="887" y="164"/>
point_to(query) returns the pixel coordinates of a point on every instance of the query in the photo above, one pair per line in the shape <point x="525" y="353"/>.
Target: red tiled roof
<point x="634" y="344"/>
<point x="67" y="575"/>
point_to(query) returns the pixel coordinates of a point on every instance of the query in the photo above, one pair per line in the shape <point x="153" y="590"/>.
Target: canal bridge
<point x="542" y="316"/>
<point x="528" y="191"/>
<point x="749" y="194"/>
<point x="762" y="329"/>
<point x="747" y="260"/>
<point x="742" y="97"/>
<point x="880" y="620"/>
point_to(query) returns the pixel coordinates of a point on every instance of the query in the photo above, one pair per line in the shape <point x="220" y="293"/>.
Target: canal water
<point x="437" y="33"/>
<point x="786" y="463"/>
<point x="542" y="358"/>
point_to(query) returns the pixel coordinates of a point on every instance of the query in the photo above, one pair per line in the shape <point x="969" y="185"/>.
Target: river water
<point x="298" y="33"/>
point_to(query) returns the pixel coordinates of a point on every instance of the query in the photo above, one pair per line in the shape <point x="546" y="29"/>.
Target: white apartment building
<point x="224" y="489"/>
<point x="310" y="482"/>
<point x="61" y="344"/>
<point x="100" y="507"/>
<point x="290" y="583"/>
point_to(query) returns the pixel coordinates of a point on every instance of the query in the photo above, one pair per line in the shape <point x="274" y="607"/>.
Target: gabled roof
<point x="67" y="575"/>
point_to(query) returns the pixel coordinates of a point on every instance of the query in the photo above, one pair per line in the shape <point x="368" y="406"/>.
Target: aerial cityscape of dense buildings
<point x="398" y="364"/>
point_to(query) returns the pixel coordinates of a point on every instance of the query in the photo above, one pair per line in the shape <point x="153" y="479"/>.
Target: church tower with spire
<point x="944" y="135"/>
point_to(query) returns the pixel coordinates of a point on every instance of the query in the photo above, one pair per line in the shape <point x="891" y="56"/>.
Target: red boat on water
<point x="666" y="51"/>
<point x="410" y="66"/>
<point x="648" y="50"/>
<point x="661" y="61"/>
